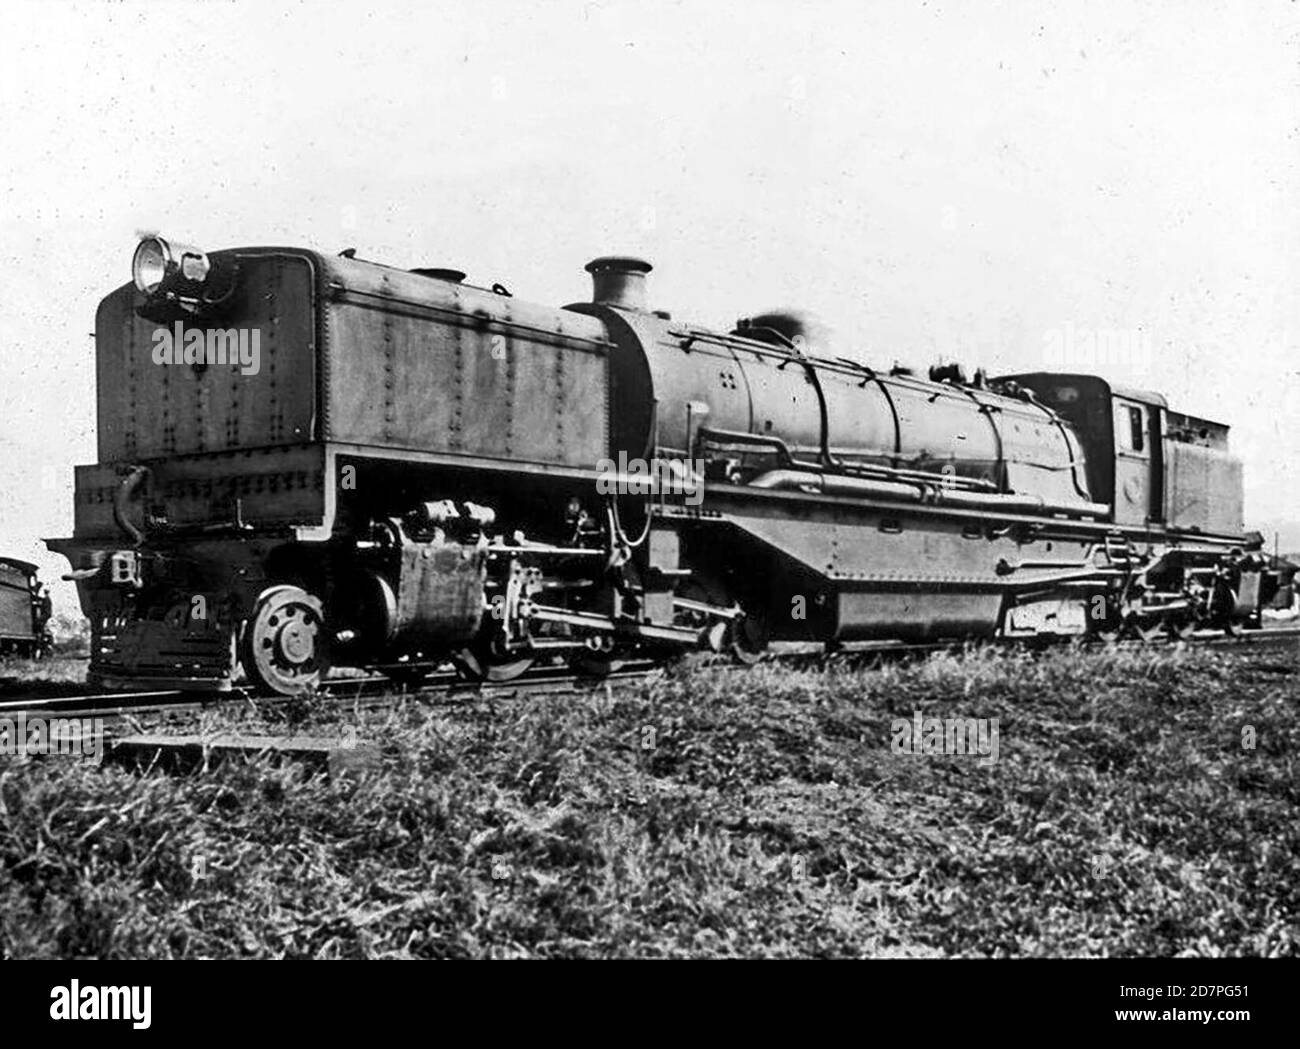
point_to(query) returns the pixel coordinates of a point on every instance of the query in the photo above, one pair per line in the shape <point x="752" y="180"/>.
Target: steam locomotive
<point x="308" y="460"/>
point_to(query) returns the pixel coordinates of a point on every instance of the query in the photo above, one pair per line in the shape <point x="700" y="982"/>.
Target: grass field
<point x="1140" y="804"/>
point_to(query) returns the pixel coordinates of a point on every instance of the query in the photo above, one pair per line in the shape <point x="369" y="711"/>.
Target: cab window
<point x="1130" y="428"/>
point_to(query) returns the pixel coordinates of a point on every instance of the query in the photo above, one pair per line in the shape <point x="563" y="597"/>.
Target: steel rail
<point x="379" y="691"/>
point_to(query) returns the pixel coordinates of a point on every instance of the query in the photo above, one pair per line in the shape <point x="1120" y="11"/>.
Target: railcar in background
<point x="416" y="469"/>
<point x="24" y="610"/>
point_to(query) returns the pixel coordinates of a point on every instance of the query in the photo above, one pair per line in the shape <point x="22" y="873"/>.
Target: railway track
<point x="379" y="691"/>
<point x="372" y="692"/>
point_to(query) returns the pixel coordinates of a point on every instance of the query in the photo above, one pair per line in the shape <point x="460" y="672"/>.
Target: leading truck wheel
<point x="481" y="661"/>
<point x="747" y="639"/>
<point x="598" y="658"/>
<point x="284" y="642"/>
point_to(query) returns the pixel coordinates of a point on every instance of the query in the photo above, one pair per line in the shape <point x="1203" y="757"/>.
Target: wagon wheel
<point x="284" y="644"/>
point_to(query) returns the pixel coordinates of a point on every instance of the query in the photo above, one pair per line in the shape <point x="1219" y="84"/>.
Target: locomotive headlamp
<point x="179" y="280"/>
<point x="159" y="265"/>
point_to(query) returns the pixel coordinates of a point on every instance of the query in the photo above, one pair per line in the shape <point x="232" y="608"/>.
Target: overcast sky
<point x="980" y="182"/>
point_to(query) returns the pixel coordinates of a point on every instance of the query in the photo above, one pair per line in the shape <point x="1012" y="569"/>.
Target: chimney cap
<point x="618" y="263"/>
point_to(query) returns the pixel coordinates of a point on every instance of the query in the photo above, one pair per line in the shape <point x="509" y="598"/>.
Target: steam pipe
<point x="122" y="496"/>
<point x="839" y="484"/>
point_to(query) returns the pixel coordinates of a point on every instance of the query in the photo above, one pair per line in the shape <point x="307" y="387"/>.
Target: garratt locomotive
<point x="307" y="460"/>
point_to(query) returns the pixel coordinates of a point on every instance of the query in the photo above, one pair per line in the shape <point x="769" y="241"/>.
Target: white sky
<point x="934" y="179"/>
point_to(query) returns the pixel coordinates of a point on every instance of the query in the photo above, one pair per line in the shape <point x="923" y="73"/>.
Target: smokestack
<point x="619" y="280"/>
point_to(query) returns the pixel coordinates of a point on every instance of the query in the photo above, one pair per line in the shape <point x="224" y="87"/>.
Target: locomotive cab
<point x="1153" y="466"/>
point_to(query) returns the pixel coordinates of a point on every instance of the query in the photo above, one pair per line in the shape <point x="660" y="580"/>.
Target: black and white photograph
<point x="634" y="480"/>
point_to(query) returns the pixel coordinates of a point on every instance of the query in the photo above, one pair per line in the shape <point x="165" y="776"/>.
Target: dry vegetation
<point x="709" y="813"/>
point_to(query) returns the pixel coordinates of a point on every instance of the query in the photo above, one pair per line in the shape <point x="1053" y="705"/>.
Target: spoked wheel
<point x="284" y="649"/>
<point x="480" y="661"/>
<point x="1148" y="631"/>
<point x="1108" y="630"/>
<point x="592" y="661"/>
<point x="1223" y="603"/>
<point x="747" y="640"/>
<point x="1180" y="628"/>
<point x="744" y="639"/>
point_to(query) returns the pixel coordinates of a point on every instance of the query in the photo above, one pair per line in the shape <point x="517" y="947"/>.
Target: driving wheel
<point x="284" y="650"/>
